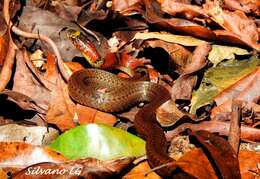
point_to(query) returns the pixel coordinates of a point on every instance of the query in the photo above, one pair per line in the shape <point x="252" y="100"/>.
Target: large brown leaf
<point x="222" y="153"/>
<point x="236" y="22"/>
<point x="246" y="89"/>
<point x="153" y="16"/>
<point x="25" y="83"/>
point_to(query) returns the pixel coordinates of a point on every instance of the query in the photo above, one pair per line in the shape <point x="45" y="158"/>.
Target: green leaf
<point x="219" y="53"/>
<point x="203" y="96"/>
<point x="98" y="141"/>
<point x="216" y="79"/>
<point x="229" y="72"/>
<point x="168" y="37"/>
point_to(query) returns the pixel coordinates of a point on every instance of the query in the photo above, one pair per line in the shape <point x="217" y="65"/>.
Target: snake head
<point x="87" y="49"/>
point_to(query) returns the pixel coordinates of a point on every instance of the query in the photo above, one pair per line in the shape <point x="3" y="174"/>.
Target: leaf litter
<point x="205" y="53"/>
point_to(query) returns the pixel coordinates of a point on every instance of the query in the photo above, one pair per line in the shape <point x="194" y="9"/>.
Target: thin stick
<point x="6" y="71"/>
<point x="50" y="43"/>
<point x="234" y="130"/>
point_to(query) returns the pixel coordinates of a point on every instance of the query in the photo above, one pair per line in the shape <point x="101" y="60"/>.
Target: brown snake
<point x="107" y="92"/>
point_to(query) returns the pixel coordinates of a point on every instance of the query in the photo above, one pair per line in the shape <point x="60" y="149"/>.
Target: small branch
<point x="6" y="71"/>
<point x="234" y="130"/>
<point x="50" y="43"/>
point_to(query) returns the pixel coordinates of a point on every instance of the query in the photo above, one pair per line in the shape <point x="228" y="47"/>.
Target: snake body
<point x="107" y="92"/>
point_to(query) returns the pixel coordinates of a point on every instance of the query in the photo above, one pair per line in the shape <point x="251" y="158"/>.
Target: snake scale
<point x="109" y="93"/>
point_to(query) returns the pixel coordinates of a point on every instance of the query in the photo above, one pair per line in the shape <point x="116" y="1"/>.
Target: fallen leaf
<point x="4" y="40"/>
<point x="249" y="164"/>
<point x="203" y="96"/>
<point x="153" y="15"/>
<point x="179" y="56"/>
<point x="121" y="6"/>
<point x="40" y="21"/>
<point x="220" y="53"/>
<point x="26" y="84"/>
<point x="233" y="21"/>
<point x="139" y="171"/>
<point x="221" y="152"/>
<point x="88" y="115"/>
<point x="35" y="135"/>
<point x="187" y="10"/>
<point x="168" y="114"/>
<point x="179" y="39"/>
<point x="214" y="126"/>
<point x="23" y="101"/>
<point x="198" y="59"/>
<point x="196" y="164"/>
<point x="98" y="141"/>
<point x="218" y="78"/>
<point x="182" y="87"/>
<point x="61" y="109"/>
<point x="20" y="155"/>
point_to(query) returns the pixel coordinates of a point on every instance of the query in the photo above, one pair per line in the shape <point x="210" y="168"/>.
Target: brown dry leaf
<point x="4" y="40"/>
<point x="85" y="168"/>
<point x="35" y="135"/>
<point x="26" y="84"/>
<point x="246" y="89"/>
<point x="138" y="172"/>
<point x="168" y="114"/>
<point x="51" y="68"/>
<point x="178" y="54"/>
<point x="153" y="15"/>
<point x="183" y="86"/>
<point x="44" y="22"/>
<point x="196" y="164"/>
<point x="129" y="61"/>
<point x="23" y="101"/>
<point x="214" y="126"/>
<point x="124" y="5"/>
<point x="236" y="22"/>
<point x="88" y="115"/>
<point x="221" y="152"/>
<point x="187" y="10"/>
<point x="246" y="6"/>
<point x="249" y="164"/>
<point x="198" y="59"/>
<point x="3" y="174"/>
<point x="20" y="155"/>
<point x="66" y="11"/>
<point x="61" y="109"/>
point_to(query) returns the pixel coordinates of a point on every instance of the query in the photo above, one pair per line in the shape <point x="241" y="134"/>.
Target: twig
<point x="6" y="71"/>
<point x="234" y="130"/>
<point x="50" y="43"/>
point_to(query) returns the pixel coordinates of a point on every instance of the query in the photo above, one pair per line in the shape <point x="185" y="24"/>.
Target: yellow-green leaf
<point x="98" y="141"/>
<point x="219" y="53"/>
<point x="220" y="77"/>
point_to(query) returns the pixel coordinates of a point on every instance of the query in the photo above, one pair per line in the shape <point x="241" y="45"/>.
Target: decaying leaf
<point x="233" y="21"/>
<point x="218" y="78"/>
<point x="220" y="53"/>
<point x="98" y="141"/>
<point x="88" y="115"/>
<point x="214" y="126"/>
<point x="20" y="155"/>
<point x="61" y="108"/>
<point x="35" y="135"/>
<point x="221" y="151"/>
<point x="179" y="39"/>
<point x="139" y="172"/>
